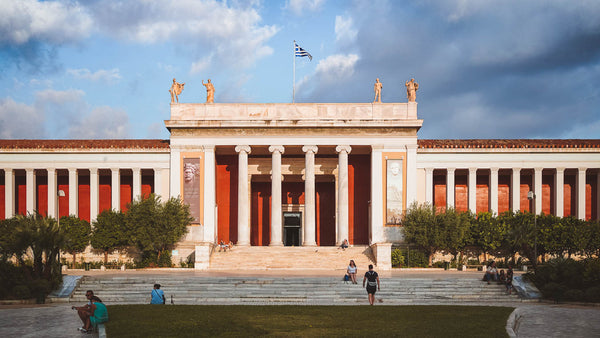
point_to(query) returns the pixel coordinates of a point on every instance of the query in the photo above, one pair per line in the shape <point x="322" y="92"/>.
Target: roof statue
<point x="411" y="90"/>
<point x="210" y="91"/>
<point x="377" y="89"/>
<point x="176" y="89"/>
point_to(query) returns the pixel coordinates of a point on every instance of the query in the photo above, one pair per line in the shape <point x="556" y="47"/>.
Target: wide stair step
<point x="268" y="290"/>
<point x="293" y="258"/>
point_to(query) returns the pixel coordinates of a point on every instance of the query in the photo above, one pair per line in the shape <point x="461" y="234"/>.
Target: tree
<point x="109" y="232"/>
<point x="77" y="235"/>
<point x="520" y="235"/>
<point x="487" y="233"/>
<point x="455" y="225"/>
<point x="155" y="227"/>
<point x="422" y="228"/>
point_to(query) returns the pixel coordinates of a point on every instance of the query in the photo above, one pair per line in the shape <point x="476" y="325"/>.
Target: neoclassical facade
<point x="298" y="174"/>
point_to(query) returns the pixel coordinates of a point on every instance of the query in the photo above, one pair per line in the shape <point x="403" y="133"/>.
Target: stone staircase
<point x="290" y="290"/>
<point x="294" y="258"/>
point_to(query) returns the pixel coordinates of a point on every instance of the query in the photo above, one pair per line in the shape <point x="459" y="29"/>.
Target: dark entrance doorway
<point x="292" y="223"/>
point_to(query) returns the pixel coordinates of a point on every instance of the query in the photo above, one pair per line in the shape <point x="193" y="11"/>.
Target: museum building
<point x="305" y="174"/>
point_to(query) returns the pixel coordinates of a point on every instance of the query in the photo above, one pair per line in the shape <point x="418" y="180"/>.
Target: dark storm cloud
<point x="486" y="69"/>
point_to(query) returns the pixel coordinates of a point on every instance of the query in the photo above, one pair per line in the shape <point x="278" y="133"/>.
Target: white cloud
<point x="19" y="120"/>
<point x="201" y="65"/>
<point x="344" y="29"/>
<point x="101" y="123"/>
<point x="235" y="36"/>
<point x="299" y="6"/>
<point x="336" y="67"/>
<point x="99" y="75"/>
<point x="50" y="21"/>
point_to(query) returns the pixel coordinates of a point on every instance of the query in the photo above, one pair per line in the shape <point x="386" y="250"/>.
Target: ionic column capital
<point x="311" y="149"/>
<point x="560" y="170"/>
<point x="473" y="171"/>
<point x="279" y="149"/>
<point x="94" y="170"/>
<point x="450" y="170"/>
<point x="343" y="148"/>
<point x="243" y="148"/>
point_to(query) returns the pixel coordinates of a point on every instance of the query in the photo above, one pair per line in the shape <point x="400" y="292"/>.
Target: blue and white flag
<point x="301" y="52"/>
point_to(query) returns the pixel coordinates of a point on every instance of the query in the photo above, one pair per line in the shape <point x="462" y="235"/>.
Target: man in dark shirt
<point x="372" y="279"/>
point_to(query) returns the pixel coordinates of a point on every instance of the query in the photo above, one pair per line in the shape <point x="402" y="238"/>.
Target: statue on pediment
<point x="377" y="89"/>
<point x="411" y="90"/>
<point x="210" y="91"/>
<point x="176" y="89"/>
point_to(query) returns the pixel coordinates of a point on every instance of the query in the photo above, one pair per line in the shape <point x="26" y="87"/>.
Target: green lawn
<point x="311" y="321"/>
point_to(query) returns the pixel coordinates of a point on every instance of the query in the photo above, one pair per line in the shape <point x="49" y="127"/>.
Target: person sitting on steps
<point x="344" y="244"/>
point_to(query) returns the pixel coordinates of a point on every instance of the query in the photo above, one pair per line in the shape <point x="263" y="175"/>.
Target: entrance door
<point x="292" y="223"/>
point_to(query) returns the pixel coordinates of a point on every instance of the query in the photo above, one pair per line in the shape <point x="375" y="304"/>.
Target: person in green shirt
<point x="98" y="314"/>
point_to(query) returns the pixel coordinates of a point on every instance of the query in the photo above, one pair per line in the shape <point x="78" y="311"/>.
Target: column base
<point x="309" y="244"/>
<point x="276" y="244"/>
<point x="383" y="255"/>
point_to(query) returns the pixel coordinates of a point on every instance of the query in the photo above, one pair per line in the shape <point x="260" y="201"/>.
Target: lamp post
<point x="531" y="196"/>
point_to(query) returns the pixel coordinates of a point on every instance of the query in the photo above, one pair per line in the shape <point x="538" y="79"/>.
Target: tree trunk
<point x="105" y="258"/>
<point x="74" y="260"/>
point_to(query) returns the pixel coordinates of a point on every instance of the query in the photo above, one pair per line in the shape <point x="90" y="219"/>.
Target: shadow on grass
<point x="306" y="321"/>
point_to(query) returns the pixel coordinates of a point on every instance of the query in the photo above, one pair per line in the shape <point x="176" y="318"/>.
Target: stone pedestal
<point x="202" y="256"/>
<point x="383" y="255"/>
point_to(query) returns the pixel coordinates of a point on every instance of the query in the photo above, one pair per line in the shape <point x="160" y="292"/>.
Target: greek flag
<point x="301" y="52"/>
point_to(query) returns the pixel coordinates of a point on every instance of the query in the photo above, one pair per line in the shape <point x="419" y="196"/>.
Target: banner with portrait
<point x="394" y="191"/>
<point x="191" y="186"/>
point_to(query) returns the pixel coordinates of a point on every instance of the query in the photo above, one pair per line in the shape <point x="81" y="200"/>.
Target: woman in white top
<point x="352" y="270"/>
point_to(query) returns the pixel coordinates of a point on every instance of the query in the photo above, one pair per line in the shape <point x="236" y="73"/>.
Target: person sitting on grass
<point x="99" y="315"/>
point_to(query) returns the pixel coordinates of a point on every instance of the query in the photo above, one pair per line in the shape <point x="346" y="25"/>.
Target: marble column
<point x="210" y="192"/>
<point x="52" y="192"/>
<point x="94" y="194"/>
<point x="450" y="187"/>
<point x="276" y="211"/>
<point x="342" y="195"/>
<point x="473" y="190"/>
<point x="115" y="189"/>
<point x="243" y="200"/>
<point x="537" y="189"/>
<point x="30" y="190"/>
<point x="377" y="188"/>
<point x="73" y="192"/>
<point x="494" y="190"/>
<point x="581" y="193"/>
<point x="137" y="183"/>
<point x="515" y="189"/>
<point x="411" y="174"/>
<point x="559" y="190"/>
<point x="309" y="195"/>
<point x="9" y="193"/>
<point x="429" y="185"/>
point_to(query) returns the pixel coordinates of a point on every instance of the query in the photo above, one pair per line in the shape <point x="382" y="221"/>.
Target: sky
<point x="486" y="69"/>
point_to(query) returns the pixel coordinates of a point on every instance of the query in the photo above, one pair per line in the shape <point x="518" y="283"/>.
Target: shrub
<point x="593" y="294"/>
<point x="397" y="258"/>
<point x="21" y="292"/>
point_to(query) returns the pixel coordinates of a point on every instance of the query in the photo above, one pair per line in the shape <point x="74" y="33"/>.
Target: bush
<point x="574" y="294"/>
<point x="397" y="258"/>
<point x="21" y="292"/>
<point x="567" y="279"/>
<point x="593" y="294"/>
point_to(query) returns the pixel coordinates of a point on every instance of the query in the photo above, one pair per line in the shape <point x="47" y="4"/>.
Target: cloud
<point x="344" y="29"/>
<point x="325" y="82"/>
<point x="234" y="36"/>
<point x="101" y="123"/>
<point x="61" y="114"/>
<point x="99" y="75"/>
<point x="19" y="120"/>
<point x="299" y="6"/>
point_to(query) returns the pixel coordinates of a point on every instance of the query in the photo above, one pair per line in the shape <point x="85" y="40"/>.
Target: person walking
<point x="372" y="279"/>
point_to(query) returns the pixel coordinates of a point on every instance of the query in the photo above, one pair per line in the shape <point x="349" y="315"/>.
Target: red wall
<point x="526" y="186"/>
<point x="20" y="195"/>
<point x="591" y="195"/>
<point x="570" y="196"/>
<point x="261" y="216"/>
<point x="41" y="196"/>
<point x="325" y="213"/>
<point x="359" y="191"/>
<point x="126" y="192"/>
<point x="147" y="185"/>
<point x="84" y="197"/>
<point x="439" y="190"/>
<point x="461" y="192"/>
<point x="104" y="190"/>
<point x="504" y="182"/>
<point x="227" y="194"/>
<point x="2" y="201"/>
<point x="548" y="194"/>
<point x="483" y="185"/>
<point x="63" y="184"/>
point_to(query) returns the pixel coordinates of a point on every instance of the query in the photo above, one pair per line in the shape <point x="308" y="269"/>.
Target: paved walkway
<point x="531" y="320"/>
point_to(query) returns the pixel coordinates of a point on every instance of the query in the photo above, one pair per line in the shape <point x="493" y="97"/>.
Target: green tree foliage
<point x="422" y="229"/>
<point x="592" y="244"/>
<point x="155" y="227"/>
<point x="45" y="239"/>
<point x="77" y="235"/>
<point x="109" y="232"/>
<point x="455" y="227"/>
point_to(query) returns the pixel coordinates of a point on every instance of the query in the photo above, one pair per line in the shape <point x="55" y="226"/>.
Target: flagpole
<point x="294" y="79"/>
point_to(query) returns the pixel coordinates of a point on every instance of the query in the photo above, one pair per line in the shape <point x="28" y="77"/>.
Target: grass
<point x="306" y="321"/>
